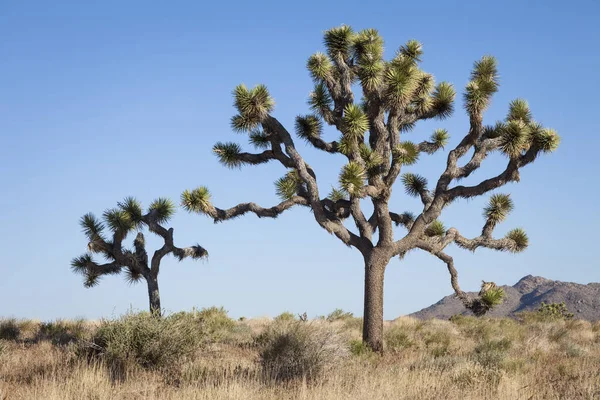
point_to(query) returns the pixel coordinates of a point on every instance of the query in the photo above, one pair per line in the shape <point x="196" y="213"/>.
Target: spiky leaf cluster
<point x="228" y="154"/>
<point x="91" y="226"/>
<point x="133" y="208"/>
<point x="197" y="200"/>
<point x="118" y="220"/>
<point x="483" y="84"/>
<point x="337" y="194"/>
<point x="514" y="138"/>
<point x="443" y="100"/>
<point x="352" y="178"/>
<point x="520" y="239"/>
<point x="320" y="100"/>
<point x="436" y="228"/>
<point x="414" y="184"/>
<point x="133" y="275"/>
<point x="338" y="42"/>
<point x="162" y="209"/>
<point x="80" y="264"/>
<point x="406" y="153"/>
<point x="402" y="81"/>
<point x="368" y="50"/>
<point x="259" y="139"/>
<point x="493" y="297"/>
<point x="371" y="158"/>
<point x="498" y="208"/>
<point x="518" y="110"/>
<point x="412" y="50"/>
<point x="545" y="139"/>
<point x="253" y="105"/>
<point x="319" y="66"/>
<point x="308" y="126"/>
<point x="287" y="186"/>
<point x="355" y="121"/>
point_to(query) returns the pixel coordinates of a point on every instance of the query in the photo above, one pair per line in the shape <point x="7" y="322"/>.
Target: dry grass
<point x="463" y="359"/>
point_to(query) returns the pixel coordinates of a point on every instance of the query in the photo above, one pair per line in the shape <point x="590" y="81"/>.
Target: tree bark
<point x="373" y="309"/>
<point x="154" y="295"/>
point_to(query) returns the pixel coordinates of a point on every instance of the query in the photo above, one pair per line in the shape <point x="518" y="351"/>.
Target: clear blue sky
<point x="101" y="100"/>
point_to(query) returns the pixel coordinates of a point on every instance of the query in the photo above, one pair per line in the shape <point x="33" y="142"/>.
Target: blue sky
<point x="101" y="100"/>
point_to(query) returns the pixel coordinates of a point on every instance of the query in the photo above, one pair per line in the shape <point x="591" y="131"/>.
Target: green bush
<point x="285" y="316"/>
<point x="62" y="332"/>
<point x="492" y="353"/>
<point x="339" y="315"/>
<point x="295" y="349"/>
<point x="141" y="339"/>
<point x="359" y="348"/>
<point x="554" y="311"/>
<point x="397" y="339"/>
<point x="216" y="324"/>
<point x="9" y="329"/>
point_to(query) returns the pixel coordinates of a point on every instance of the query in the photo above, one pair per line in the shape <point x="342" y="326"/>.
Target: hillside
<point x="527" y="295"/>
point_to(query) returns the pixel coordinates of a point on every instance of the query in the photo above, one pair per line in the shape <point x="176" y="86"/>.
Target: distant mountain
<point x="527" y="295"/>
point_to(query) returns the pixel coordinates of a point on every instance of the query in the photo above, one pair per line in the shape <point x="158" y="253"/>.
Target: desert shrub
<point x="215" y="322"/>
<point x="359" y="348"/>
<point x="3" y="347"/>
<point x="294" y="350"/>
<point x="9" y="329"/>
<point x="141" y="339"/>
<point x="339" y="315"/>
<point x="492" y="353"/>
<point x="285" y="316"/>
<point x="62" y="332"/>
<point x="555" y="311"/>
<point x="397" y="339"/>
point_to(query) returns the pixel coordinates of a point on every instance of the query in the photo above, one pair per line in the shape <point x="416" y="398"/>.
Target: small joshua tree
<point x="122" y="220"/>
<point x="396" y="95"/>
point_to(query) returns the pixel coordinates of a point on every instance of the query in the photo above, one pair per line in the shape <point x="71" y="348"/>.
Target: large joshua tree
<point x="122" y="220"/>
<point x="396" y="94"/>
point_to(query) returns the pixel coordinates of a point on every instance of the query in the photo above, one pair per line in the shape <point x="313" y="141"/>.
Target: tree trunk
<point x="373" y="311"/>
<point x="154" y="295"/>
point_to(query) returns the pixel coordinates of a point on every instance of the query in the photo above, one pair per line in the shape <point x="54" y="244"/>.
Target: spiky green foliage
<point x="355" y="121"/>
<point x="413" y="183"/>
<point x="197" y="200"/>
<point x="91" y="280"/>
<point x="368" y="49"/>
<point x="412" y="49"/>
<point x="92" y="227"/>
<point x="308" y="126"/>
<point x="440" y="137"/>
<point x="436" y="228"/>
<point x="352" y="177"/>
<point x="133" y="275"/>
<point x="118" y="220"/>
<point x="253" y="106"/>
<point x="336" y="195"/>
<point x="259" y="140"/>
<point x="79" y="265"/>
<point x="345" y="145"/>
<point x="554" y="311"/>
<point x="319" y="99"/>
<point x="162" y="209"/>
<point x="518" y="109"/>
<point x="495" y="131"/>
<point x="407" y="153"/>
<point x="515" y="138"/>
<point x="546" y="139"/>
<point x="402" y="82"/>
<point x="371" y="158"/>
<point x="493" y="297"/>
<point x="338" y="41"/>
<point x="241" y="123"/>
<point x="498" y="208"/>
<point x="520" y="239"/>
<point x="228" y="154"/>
<point x="133" y="208"/>
<point x="319" y="66"/>
<point x="483" y="84"/>
<point x="443" y="100"/>
<point x="287" y="186"/>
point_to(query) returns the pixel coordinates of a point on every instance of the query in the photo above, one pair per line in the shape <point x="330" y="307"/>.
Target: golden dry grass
<point x="466" y="359"/>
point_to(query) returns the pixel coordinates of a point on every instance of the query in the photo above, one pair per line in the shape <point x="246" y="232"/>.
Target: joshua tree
<point x="396" y="94"/>
<point x="125" y="218"/>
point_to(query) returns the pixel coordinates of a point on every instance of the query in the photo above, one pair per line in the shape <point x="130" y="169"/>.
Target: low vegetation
<point x="204" y="354"/>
